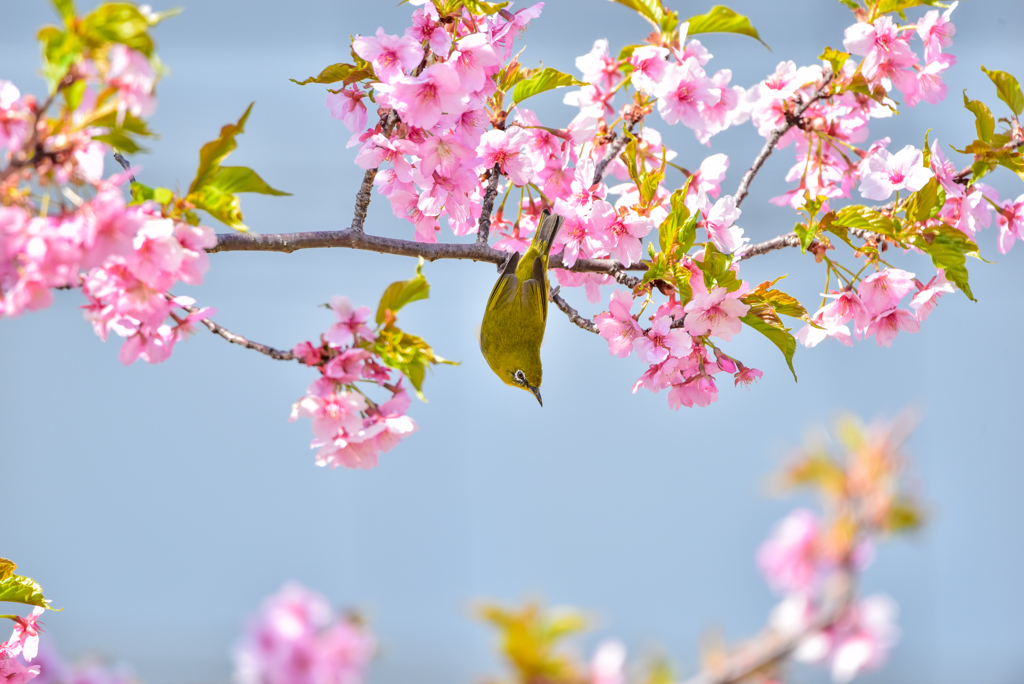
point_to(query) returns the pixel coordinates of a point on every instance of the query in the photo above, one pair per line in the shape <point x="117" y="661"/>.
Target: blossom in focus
<point x="928" y="296"/>
<point x="661" y="340"/>
<point x="503" y="148"/>
<point x="883" y="290"/>
<point x="391" y="56"/>
<point x="347" y="106"/>
<point x="683" y="90"/>
<point x="425" y="27"/>
<point x="617" y="324"/>
<point x="887" y="324"/>
<point x="881" y="45"/>
<point x="884" y="173"/>
<point x="351" y="323"/>
<point x="648" y="67"/>
<point x="936" y="30"/>
<point x="715" y="313"/>
<point x="420" y="100"/>
<point x="26" y="634"/>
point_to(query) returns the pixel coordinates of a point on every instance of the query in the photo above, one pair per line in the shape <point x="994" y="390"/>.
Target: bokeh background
<point x="160" y="504"/>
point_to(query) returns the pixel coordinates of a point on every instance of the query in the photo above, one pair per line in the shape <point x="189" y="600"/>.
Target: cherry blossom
<point x="887" y="324"/>
<point x="883" y="290"/>
<point x="503" y="148"/>
<point x="420" y="100"/>
<point x="351" y="323"/>
<point x="391" y="56"/>
<point x="936" y="31"/>
<point x="885" y="173"/>
<point x="1011" y="223"/>
<point x="928" y="295"/>
<point x="618" y="326"/>
<point x="715" y="313"/>
<point x="681" y="93"/>
<point x="347" y="106"/>
<point x="884" y="49"/>
<point x="131" y="74"/>
<point x="789" y="558"/>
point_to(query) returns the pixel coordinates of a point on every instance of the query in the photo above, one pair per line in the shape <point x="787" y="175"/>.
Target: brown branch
<point x="613" y="151"/>
<point x="770" y="647"/>
<point x="350" y="239"/>
<point x="780" y="242"/>
<point x="234" y="338"/>
<point x="483" y="231"/>
<point x="792" y="119"/>
<point x="366" y="187"/>
<point x="573" y="315"/>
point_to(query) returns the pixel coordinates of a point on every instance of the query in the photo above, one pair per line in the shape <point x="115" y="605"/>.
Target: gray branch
<point x="613" y="151"/>
<point x="483" y="230"/>
<point x="573" y="315"/>
<point x="792" y="119"/>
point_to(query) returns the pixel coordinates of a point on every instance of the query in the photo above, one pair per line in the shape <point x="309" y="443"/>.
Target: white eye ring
<point x="520" y="377"/>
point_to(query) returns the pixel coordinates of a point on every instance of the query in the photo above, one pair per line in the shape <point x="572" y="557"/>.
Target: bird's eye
<point x="520" y="377"/>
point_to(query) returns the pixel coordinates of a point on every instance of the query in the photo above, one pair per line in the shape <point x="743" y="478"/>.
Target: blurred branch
<point x="770" y="646"/>
<point x="792" y="119"/>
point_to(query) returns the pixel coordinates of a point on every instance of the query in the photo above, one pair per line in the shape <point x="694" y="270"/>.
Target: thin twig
<point x="613" y="151"/>
<point x="119" y="158"/>
<point x="483" y="231"/>
<point x="234" y="338"/>
<point x="773" y="139"/>
<point x="573" y="315"/>
<point x="780" y="242"/>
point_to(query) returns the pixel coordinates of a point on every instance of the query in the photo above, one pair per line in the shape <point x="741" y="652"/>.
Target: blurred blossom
<point x="296" y="639"/>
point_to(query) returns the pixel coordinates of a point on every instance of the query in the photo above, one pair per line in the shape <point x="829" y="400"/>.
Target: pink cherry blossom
<point x="928" y="296"/>
<point x="661" y="340"/>
<point x="378" y="149"/>
<point x="13" y="117"/>
<point x="883" y="290"/>
<point x="425" y="28"/>
<point x="700" y="391"/>
<point x="132" y="75"/>
<point x="936" y="31"/>
<point x="789" y="558"/>
<point x="708" y="178"/>
<point x="1011" y="223"/>
<point x="583" y="237"/>
<point x="473" y="59"/>
<point x="618" y="326"/>
<point x="13" y="671"/>
<point x="846" y="306"/>
<point x="887" y="324"/>
<point x="882" y="46"/>
<point x="863" y="639"/>
<point x="720" y="223"/>
<point x="450" y="193"/>
<point x="504" y="148"/>
<point x="598" y="67"/>
<point x="26" y="634"/>
<point x="505" y="30"/>
<point x="391" y="56"/>
<point x="420" y="100"/>
<point x="445" y="154"/>
<point x="648" y="67"/>
<point x="684" y="88"/>
<point x="624" y="237"/>
<point x="351" y="323"/>
<point x="307" y="353"/>
<point x="715" y="313"/>
<point x="885" y="173"/>
<point x="747" y="376"/>
<point x="347" y="106"/>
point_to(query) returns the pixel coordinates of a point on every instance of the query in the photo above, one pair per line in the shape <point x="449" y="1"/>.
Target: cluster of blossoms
<point x="125" y="257"/>
<point x="296" y="639"/>
<point x="349" y="429"/>
<point x="806" y="554"/>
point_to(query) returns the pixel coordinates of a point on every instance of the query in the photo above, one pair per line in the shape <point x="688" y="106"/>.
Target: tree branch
<point x="613" y="151"/>
<point x="792" y="119"/>
<point x="573" y="315"/>
<point x="366" y="187"/>
<point x="233" y="338"/>
<point x="780" y="242"/>
<point x="483" y="230"/>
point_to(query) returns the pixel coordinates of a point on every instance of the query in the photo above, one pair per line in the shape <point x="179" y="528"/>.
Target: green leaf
<point x="213" y="152"/>
<point x="852" y="4"/>
<point x="122" y="133"/>
<point x="65" y="8"/>
<point x="1008" y="88"/>
<point x="331" y="74"/>
<point x="403" y="292"/>
<point x="141" y="193"/>
<point x="984" y="121"/>
<point x="117" y="22"/>
<point x="777" y="334"/>
<point x="865" y="218"/>
<point x="214" y="188"/>
<point x="650" y="10"/>
<point x="836" y="58"/>
<point x="926" y="202"/>
<point x="546" y="79"/>
<point x="721" y="19"/>
<point x="781" y="302"/>
<point x="949" y="249"/>
<point x="479" y="7"/>
<point x="18" y="589"/>
<point x="901" y="5"/>
<point x="717" y="271"/>
<point x="60" y="50"/>
<point x="407" y="353"/>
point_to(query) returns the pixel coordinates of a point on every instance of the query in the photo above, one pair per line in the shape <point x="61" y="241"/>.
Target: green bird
<point x="517" y="313"/>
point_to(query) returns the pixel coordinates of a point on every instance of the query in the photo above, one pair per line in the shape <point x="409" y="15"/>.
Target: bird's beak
<point x="536" y="393"/>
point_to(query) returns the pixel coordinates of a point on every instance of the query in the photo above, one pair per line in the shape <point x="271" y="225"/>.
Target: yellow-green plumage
<point x="517" y="312"/>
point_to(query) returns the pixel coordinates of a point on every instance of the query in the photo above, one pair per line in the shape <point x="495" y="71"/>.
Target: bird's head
<point x="524" y="372"/>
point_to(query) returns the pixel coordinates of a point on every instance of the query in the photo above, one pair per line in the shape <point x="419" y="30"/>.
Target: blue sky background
<point x="160" y="504"/>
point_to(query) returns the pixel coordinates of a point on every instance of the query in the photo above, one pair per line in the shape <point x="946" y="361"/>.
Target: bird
<point x="517" y="312"/>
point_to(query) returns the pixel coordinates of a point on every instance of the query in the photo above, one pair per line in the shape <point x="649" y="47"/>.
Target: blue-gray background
<point x="160" y="504"/>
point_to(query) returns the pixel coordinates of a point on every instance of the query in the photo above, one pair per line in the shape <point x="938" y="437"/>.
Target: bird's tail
<point x="547" y="232"/>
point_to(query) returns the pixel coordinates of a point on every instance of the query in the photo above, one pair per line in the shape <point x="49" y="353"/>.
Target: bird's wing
<point x="507" y="282"/>
<point x="534" y="295"/>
